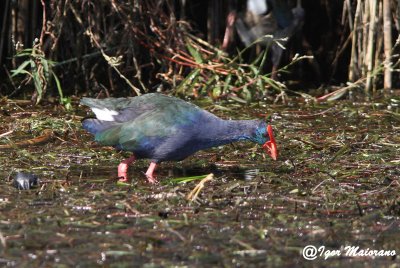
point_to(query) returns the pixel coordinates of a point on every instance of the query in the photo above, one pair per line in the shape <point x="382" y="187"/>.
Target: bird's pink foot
<point x="123" y="169"/>
<point x="149" y="173"/>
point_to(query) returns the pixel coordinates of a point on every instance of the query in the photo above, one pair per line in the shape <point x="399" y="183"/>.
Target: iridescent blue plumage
<point x="163" y="128"/>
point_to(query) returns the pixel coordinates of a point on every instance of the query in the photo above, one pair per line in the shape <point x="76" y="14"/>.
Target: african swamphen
<point x="259" y="25"/>
<point x="163" y="128"/>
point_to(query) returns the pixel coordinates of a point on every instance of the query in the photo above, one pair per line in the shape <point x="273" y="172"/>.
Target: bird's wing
<point x="159" y="124"/>
<point x="128" y="109"/>
<point x="154" y="120"/>
<point x="121" y="109"/>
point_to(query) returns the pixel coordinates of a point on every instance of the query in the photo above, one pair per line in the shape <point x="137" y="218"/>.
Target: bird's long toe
<point x="151" y="179"/>
<point x="123" y="178"/>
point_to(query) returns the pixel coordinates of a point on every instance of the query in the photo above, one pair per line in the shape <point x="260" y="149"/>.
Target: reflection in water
<point x="232" y="173"/>
<point x="250" y="174"/>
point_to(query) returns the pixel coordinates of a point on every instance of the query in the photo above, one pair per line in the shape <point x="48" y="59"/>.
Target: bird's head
<point x="265" y="136"/>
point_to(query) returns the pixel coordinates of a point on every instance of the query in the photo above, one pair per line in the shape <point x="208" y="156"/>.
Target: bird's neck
<point x="228" y="131"/>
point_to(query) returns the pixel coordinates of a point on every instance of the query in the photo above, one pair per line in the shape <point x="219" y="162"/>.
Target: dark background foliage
<point x="147" y="43"/>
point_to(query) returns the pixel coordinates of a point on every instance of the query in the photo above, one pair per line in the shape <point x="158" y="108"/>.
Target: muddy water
<point x="336" y="184"/>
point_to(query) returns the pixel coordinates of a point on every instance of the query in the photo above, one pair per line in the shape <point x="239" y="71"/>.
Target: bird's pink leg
<point x="123" y="168"/>
<point x="149" y="173"/>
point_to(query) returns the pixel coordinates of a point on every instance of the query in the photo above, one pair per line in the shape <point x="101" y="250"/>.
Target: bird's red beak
<point x="270" y="146"/>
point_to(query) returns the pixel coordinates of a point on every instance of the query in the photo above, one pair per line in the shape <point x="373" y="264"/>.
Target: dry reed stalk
<point x="387" y="44"/>
<point x="354" y="63"/>
<point x="369" y="61"/>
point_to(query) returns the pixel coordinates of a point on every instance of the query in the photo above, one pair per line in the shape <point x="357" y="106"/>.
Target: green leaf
<point x="216" y="91"/>
<point x="59" y="88"/>
<point x="189" y="79"/>
<point x="253" y="69"/>
<point x="21" y="72"/>
<point x="260" y="85"/>
<point x="247" y="94"/>
<point x="38" y="86"/>
<point x="185" y="179"/>
<point x="227" y="83"/>
<point x="271" y="82"/>
<point x="20" y="68"/>
<point x="262" y="61"/>
<point x="237" y="99"/>
<point x="195" y="53"/>
<point x="24" y="53"/>
<point x="212" y="81"/>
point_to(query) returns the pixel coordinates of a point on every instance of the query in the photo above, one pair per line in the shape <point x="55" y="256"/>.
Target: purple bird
<point x="163" y="128"/>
